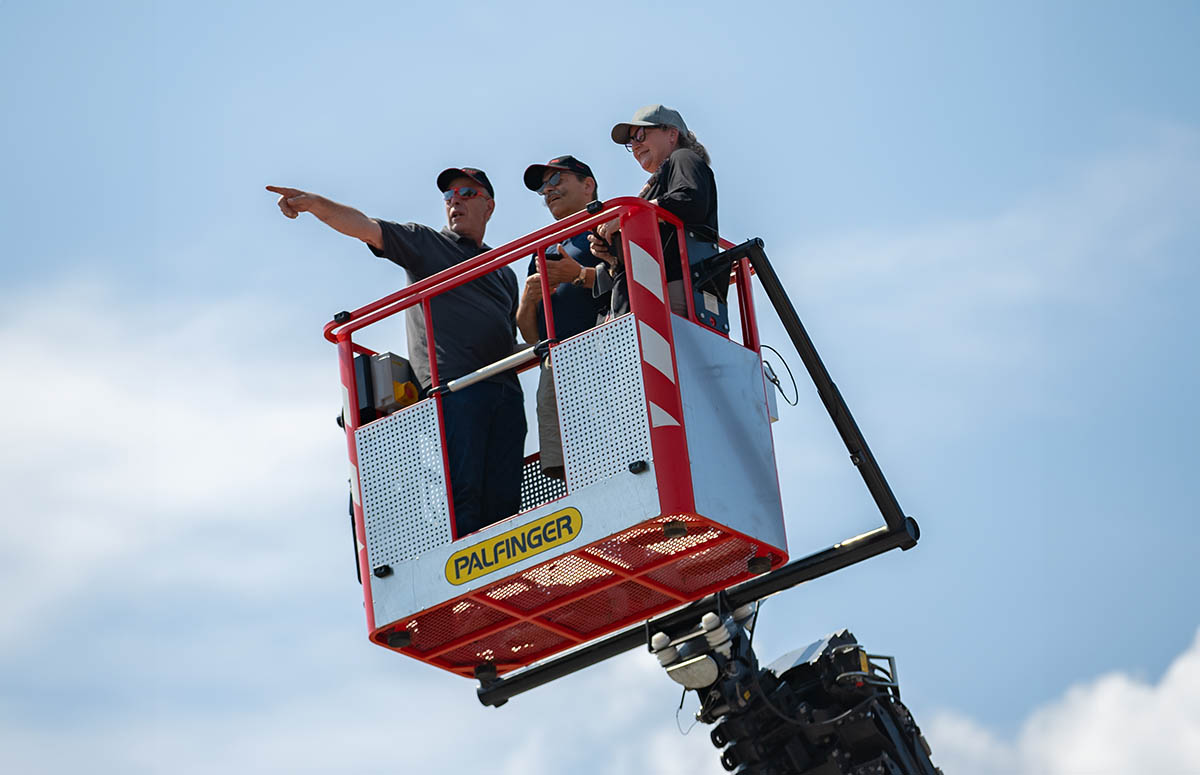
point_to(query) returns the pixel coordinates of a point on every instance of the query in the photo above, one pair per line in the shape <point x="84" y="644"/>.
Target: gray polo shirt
<point x="474" y="324"/>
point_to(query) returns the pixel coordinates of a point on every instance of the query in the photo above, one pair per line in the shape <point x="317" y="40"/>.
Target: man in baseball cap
<point x="535" y="174"/>
<point x="474" y="325"/>
<point x="567" y="186"/>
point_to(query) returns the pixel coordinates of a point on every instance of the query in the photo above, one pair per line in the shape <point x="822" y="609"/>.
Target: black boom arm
<point x="827" y="709"/>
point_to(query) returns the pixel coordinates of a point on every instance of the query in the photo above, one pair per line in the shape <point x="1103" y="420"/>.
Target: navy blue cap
<point x="535" y="172"/>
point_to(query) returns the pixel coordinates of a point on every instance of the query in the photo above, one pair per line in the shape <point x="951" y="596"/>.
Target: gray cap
<point x="651" y="115"/>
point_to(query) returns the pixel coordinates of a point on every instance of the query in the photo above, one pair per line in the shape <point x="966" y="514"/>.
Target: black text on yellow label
<point x="513" y="546"/>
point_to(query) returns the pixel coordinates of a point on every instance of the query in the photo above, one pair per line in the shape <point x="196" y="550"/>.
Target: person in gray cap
<point x="681" y="182"/>
<point x="474" y="327"/>
<point x="567" y="186"/>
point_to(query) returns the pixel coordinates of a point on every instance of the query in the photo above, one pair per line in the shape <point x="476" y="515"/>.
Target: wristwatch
<point x="582" y="278"/>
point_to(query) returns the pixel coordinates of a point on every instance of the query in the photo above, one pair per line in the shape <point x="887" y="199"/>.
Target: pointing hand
<point x="293" y="201"/>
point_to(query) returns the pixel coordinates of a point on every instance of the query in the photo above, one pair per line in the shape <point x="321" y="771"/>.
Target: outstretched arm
<point x="343" y="218"/>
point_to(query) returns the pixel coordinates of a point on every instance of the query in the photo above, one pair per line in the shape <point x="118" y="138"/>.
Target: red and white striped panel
<point x="648" y="300"/>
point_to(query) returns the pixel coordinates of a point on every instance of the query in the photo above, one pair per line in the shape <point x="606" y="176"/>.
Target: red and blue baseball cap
<point x="477" y="175"/>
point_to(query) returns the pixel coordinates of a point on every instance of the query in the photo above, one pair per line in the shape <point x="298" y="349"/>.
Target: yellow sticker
<point x="513" y="546"/>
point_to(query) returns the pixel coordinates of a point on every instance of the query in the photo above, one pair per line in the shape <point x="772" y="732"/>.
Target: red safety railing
<point x="421" y="292"/>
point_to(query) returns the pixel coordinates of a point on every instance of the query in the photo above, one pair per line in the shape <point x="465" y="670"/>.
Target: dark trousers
<point x="485" y="446"/>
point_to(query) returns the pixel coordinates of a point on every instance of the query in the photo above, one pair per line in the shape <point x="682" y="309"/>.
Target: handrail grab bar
<point x="516" y="360"/>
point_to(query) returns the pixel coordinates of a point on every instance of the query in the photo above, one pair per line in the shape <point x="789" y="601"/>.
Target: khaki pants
<point x="678" y="297"/>
<point x="549" y="436"/>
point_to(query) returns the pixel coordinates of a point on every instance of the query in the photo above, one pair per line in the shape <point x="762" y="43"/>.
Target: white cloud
<point x="942" y="332"/>
<point x="949" y="313"/>
<point x="376" y="717"/>
<point x="1113" y="725"/>
<point x="129" y="425"/>
<point x="617" y="717"/>
<point x="1077" y="240"/>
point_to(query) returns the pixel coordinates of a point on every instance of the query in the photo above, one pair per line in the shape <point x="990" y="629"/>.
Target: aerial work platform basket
<point x="671" y="491"/>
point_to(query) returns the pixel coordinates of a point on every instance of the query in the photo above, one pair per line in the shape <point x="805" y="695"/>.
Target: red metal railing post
<point x="350" y="419"/>
<point x="547" y="305"/>
<point x="688" y="295"/>
<point x="746" y="306"/>
<point x="427" y="310"/>
<point x="434" y="382"/>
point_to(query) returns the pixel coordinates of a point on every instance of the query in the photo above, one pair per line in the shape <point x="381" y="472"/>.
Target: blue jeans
<point x="485" y="447"/>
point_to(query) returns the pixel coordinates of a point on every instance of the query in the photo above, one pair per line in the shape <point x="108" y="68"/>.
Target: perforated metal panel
<point x="536" y="487"/>
<point x="403" y="484"/>
<point x="601" y="402"/>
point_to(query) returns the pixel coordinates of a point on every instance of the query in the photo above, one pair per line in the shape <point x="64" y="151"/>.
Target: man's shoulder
<point x="509" y="277"/>
<point x="406" y="228"/>
<point x="408" y="233"/>
<point x="421" y="249"/>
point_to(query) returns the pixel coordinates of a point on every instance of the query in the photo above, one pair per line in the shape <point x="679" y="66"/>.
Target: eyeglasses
<point x="464" y="192"/>
<point x="637" y="136"/>
<point x="553" y="180"/>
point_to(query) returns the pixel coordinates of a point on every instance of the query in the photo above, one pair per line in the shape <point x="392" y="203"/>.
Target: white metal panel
<point x="728" y="433"/>
<point x="403" y="484"/>
<point x="601" y="402"/>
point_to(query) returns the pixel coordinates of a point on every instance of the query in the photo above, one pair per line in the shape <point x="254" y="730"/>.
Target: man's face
<point x="569" y="195"/>
<point x="465" y="215"/>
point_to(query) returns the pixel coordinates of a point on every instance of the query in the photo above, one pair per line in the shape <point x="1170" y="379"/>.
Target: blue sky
<point x="985" y="216"/>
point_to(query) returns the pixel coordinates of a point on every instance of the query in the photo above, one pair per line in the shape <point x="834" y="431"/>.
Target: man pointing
<point x="473" y="325"/>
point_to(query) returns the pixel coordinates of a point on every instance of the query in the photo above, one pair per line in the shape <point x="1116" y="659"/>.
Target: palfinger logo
<point x="513" y="546"/>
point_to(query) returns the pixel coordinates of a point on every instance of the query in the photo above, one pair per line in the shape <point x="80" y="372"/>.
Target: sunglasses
<point x="553" y="180"/>
<point x="464" y="192"/>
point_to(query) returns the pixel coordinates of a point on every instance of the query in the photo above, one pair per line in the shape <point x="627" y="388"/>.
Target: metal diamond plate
<point x="403" y="484"/>
<point x="601" y="402"/>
